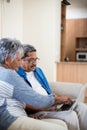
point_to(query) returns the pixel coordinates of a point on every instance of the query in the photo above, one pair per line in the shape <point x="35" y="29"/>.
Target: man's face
<point x="30" y="62"/>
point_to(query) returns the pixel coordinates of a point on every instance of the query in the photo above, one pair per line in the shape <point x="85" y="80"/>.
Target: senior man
<point x="35" y="76"/>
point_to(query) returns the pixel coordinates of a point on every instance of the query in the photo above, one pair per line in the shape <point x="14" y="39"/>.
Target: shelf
<point x="81" y="42"/>
<point x="81" y="49"/>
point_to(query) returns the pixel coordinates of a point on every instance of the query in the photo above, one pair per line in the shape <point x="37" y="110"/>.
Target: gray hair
<point x="28" y="48"/>
<point x="9" y="48"/>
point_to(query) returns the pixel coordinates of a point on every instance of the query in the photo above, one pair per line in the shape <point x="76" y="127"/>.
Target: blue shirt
<point x="20" y="93"/>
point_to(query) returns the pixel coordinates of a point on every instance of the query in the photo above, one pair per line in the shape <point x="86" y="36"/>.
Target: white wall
<point x="77" y="9"/>
<point x="36" y="22"/>
<point x="11" y="18"/>
<point x="41" y="28"/>
<point x="0" y="18"/>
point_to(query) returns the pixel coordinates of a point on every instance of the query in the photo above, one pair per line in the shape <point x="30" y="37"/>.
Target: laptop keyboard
<point x="64" y="107"/>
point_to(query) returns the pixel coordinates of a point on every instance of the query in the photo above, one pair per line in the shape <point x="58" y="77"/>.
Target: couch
<point x="70" y="89"/>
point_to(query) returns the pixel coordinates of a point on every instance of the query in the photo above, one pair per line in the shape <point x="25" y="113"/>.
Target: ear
<point x="7" y="60"/>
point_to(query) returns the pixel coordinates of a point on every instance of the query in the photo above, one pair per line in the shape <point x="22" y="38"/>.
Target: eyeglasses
<point x="31" y="60"/>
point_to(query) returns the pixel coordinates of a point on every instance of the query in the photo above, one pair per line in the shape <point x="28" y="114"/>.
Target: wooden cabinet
<point x="81" y="49"/>
<point x="75" y="72"/>
<point x="74" y="38"/>
<point x="72" y="72"/>
<point x="63" y="16"/>
<point x="63" y="28"/>
<point x="85" y="100"/>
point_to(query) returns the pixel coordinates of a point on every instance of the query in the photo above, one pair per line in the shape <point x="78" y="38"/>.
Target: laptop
<point x="65" y="106"/>
<point x="73" y="104"/>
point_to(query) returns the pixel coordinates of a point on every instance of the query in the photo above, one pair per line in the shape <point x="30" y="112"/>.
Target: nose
<point x="34" y="63"/>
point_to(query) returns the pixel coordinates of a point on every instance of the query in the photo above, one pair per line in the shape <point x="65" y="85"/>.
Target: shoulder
<point x="7" y="72"/>
<point x="39" y="70"/>
<point x="21" y="72"/>
<point x="8" y="75"/>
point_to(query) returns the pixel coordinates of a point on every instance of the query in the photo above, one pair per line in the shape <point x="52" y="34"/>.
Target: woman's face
<point x="13" y="64"/>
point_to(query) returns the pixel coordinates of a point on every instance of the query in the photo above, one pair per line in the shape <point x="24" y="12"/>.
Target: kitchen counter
<point x="71" y="72"/>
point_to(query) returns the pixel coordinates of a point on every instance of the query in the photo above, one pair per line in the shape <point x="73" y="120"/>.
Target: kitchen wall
<point x="77" y="9"/>
<point x="76" y="22"/>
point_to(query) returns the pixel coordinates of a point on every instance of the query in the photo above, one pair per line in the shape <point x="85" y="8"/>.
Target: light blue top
<point x="16" y="93"/>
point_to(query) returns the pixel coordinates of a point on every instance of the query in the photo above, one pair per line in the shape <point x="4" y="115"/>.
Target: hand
<point x="62" y="99"/>
<point x="34" y="116"/>
<point x="65" y="99"/>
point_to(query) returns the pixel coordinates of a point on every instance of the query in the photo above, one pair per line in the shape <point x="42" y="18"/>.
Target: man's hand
<point x="62" y="99"/>
<point x="35" y="116"/>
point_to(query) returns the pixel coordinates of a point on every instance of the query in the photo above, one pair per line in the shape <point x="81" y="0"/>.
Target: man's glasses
<point x="31" y="60"/>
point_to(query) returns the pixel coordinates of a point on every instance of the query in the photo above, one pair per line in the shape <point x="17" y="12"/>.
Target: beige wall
<point x="41" y="28"/>
<point x="36" y="22"/>
<point x="11" y="18"/>
<point x="0" y="18"/>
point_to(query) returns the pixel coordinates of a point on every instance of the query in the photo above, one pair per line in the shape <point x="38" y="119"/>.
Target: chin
<point x="32" y="69"/>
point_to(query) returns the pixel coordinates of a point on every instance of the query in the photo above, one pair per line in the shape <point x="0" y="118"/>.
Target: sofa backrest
<point x="67" y="88"/>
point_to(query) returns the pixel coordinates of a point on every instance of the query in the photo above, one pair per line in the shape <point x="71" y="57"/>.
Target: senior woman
<point x="15" y="93"/>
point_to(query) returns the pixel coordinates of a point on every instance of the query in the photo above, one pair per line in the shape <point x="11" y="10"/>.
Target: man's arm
<point x="32" y="109"/>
